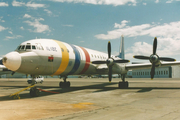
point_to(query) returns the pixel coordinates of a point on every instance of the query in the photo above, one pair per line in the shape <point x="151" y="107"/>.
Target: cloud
<point x="167" y="34"/>
<point x="2" y="28"/>
<point x="17" y="4"/>
<point x="101" y="2"/>
<point x="144" y="3"/>
<point x="170" y="1"/>
<point x="3" y="4"/>
<point x="13" y="37"/>
<point x="39" y="27"/>
<point x="123" y="23"/>
<point x="27" y="16"/>
<point x="166" y="30"/>
<point x="157" y="1"/>
<point x="22" y="28"/>
<point x="48" y="11"/>
<point x="28" y="4"/>
<point x="35" y="5"/>
<point x="10" y="32"/>
<point x="1" y="19"/>
<point x="68" y="25"/>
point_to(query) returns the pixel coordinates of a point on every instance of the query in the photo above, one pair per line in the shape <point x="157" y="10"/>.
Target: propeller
<point x="110" y="61"/>
<point x="154" y="58"/>
<point x="12" y="73"/>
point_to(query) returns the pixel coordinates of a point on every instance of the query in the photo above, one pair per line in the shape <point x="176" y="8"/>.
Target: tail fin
<point x="121" y="50"/>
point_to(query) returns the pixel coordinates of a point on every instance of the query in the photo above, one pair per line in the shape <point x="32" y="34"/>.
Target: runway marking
<point x="81" y="105"/>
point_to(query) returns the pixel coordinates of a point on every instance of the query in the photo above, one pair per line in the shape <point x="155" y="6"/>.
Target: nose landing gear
<point x="34" y="92"/>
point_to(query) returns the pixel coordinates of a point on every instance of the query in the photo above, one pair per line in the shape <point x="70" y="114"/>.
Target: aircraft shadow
<point x="98" y="88"/>
<point x="101" y="87"/>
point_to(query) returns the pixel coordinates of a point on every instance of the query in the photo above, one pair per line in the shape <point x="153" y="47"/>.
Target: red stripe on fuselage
<point x="87" y="60"/>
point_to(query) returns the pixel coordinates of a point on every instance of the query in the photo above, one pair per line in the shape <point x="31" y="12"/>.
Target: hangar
<point x="160" y="72"/>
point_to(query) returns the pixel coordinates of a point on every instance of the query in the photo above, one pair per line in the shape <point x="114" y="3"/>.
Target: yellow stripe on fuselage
<point x="64" y="58"/>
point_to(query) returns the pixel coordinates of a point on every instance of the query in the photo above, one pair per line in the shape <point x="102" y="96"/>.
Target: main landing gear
<point x="124" y="84"/>
<point x="65" y="84"/>
<point x="34" y="92"/>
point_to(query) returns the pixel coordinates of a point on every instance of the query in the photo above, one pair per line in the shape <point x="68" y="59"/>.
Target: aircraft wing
<point x="102" y="66"/>
<point x="148" y="65"/>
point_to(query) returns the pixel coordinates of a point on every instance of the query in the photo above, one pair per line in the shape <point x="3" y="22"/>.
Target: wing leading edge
<point x="148" y="65"/>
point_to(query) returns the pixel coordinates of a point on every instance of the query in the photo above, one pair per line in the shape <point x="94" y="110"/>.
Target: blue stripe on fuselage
<point x="77" y="60"/>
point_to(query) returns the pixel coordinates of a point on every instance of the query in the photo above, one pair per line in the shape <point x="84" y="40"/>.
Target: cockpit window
<point x="19" y="47"/>
<point x="33" y="47"/>
<point x="28" y="47"/>
<point x="22" y="48"/>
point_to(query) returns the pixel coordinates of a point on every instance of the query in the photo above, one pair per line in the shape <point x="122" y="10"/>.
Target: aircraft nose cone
<point x="12" y="61"/>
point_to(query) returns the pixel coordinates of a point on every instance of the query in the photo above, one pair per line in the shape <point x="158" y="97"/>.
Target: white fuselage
<point x="52" y="57"/>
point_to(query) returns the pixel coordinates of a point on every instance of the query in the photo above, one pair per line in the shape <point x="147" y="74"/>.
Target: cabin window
<point x="67" y="50"/>
<point x="62" y="49"/>
<point x="92" y="55"/>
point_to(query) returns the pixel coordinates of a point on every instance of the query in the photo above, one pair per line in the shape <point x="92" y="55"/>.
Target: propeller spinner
<point x="154" y="58"/>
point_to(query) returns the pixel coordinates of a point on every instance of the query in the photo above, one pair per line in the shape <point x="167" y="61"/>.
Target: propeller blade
<point x="152" y="71"/>
<point x="121" y="61"/>
<point x="154" y="46"/>
<point x="99" y="62"/>
<point x="12" y="73"/>
<point x="109" y="49"/>
<point x="110" y="73"/>
<point x="167" y="59"/>
<point x="141" y="57"/>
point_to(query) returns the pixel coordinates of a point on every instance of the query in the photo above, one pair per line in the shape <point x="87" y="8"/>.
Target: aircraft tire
<point x="64" y="84"/>
<point x="68" y="84"/>
<point x="123" y="85"/>
<point x="34" y="92"/>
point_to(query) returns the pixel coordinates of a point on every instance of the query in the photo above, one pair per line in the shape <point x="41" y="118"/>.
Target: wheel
<point x="61" y="84"/>
<point x="34" y="92"/>
<point x="126" y="84"/>
<point x="64" y="84"/>
<point x="123" y="85"/>
<point x="68" y="84"/>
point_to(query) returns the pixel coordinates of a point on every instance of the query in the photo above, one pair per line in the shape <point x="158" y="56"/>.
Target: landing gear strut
<point x="124" y="84"/>
<point x="65" y="84"/>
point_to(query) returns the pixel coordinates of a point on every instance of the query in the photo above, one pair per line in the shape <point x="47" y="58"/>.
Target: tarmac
<point x="92" y="99"/>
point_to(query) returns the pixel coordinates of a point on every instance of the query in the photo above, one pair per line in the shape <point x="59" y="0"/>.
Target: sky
<point x="92" y="23"/>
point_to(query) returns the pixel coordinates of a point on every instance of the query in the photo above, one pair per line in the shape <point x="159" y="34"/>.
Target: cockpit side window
<point x="33" y="47"/>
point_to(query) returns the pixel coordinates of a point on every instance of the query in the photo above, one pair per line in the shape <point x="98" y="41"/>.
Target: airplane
<point x="51" y="57"/>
